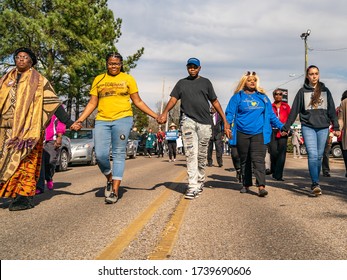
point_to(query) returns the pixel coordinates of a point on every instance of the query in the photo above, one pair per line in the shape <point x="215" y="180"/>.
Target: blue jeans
<point x="315" y="139"/>
<point x="112" y="134"/>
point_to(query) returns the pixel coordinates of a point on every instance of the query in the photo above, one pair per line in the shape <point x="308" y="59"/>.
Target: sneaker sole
<point x="317" y="192"/>
<point x="110" y="201"/>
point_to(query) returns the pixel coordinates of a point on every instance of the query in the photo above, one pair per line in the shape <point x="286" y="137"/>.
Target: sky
<point x="230" y="38"/>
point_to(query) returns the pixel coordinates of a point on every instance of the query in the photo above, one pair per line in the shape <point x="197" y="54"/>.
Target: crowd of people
<point x="32" y="121"/>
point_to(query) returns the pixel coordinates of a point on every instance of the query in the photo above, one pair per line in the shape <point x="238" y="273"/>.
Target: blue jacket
<point x="270" y="119"/>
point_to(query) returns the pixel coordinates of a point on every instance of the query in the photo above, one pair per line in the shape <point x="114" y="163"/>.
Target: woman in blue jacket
<point x="251" y="116"/>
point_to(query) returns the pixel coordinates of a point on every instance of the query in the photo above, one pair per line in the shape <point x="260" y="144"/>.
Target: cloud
<point x="231" y="38"/>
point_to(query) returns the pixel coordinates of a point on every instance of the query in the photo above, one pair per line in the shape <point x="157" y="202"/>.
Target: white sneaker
<point x="113" y="198"/>
<point x="191" y="193"/>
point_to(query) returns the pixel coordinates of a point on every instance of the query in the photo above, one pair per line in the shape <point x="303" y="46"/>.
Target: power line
<point x="287" y="82"/>
<point x="327" y="50"/>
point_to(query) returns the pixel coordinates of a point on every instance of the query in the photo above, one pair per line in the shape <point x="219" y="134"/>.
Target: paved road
<point x="153" y="221"/>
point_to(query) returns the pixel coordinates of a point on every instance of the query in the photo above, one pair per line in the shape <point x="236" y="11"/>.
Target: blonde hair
<point x="242" y="82"/>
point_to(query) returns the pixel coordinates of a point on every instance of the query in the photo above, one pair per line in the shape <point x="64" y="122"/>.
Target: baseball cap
<point x="194" y="61"/>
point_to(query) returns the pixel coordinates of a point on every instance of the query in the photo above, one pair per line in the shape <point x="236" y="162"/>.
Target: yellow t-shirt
<point x="114" y="95"/>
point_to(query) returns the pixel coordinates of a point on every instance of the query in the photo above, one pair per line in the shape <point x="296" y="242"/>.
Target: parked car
<point x="65" y="155"/>
<point x="82" y="146"/>
<point x="336" y="149"/>
<point x="131" y="149"/>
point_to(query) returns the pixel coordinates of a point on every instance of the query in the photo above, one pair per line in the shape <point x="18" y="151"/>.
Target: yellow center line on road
<point x="170" y="233"/>
<point x="114" y="250"/>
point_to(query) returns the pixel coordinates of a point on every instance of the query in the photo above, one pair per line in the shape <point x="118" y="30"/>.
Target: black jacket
<point x="320" y="117"/>
<point x="217" y="128"/>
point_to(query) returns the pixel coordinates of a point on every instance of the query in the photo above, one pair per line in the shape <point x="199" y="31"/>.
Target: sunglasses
<point x="248" y="73"/>
<point x="279" y="93"/>
<point x="18" y="57"/>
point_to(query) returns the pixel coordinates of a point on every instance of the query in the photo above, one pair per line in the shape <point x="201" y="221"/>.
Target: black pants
<point x="325" y="160"/>
<point x="247" y="178"/>
<point x="219" y="150"/>
<point x="278" y="153"/>
<point x="172" y="146"/>
<point x="149" y="151"/>
<point x="160" y="149"/>
<point x="344" y="154"/>
<point x="49" y="161"/>
<point x="235" y="158"/>
<point x="251" y="149"/>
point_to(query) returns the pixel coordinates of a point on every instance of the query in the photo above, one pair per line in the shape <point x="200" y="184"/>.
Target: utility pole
<point x="162" y="97"/>
<point x="304" y="36"/>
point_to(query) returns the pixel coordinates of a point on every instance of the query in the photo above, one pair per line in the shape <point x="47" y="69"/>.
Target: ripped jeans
<point x="195" y="137"/>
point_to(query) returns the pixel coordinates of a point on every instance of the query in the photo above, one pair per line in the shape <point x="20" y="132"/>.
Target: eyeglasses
<point x="279" y="93"/>
<point x="192" y="66"/>
<point x="248" y="73"/>
<point x="114" y="64"/>
<point x="25" y="57"/>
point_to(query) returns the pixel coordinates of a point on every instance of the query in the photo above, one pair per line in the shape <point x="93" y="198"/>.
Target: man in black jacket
<point x="216" y="139"/>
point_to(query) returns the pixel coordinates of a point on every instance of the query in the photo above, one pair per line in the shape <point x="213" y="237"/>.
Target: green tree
<point x="70" y="39"/>
<point x="140" y="118"/>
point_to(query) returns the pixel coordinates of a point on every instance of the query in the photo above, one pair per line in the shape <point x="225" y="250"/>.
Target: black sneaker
<point x="108" y="189"/>
<point x="21" y="202"/>
<point x="262" y="192"/>
<point x="244" y="190"/>
<point x="326" y="174"/>
<point x="268" y="171"/>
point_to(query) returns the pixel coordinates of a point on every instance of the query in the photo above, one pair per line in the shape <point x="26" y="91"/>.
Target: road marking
<point x="114" y="250"/>
<point x="170" y="233"/>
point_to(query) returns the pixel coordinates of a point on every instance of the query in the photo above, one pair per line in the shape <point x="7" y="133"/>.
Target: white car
<point x="82" y="146"/>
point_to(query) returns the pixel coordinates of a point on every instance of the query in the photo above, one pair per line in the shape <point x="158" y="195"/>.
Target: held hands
<point x="284" y="132"/>
<point x="77" y="125"/>
<point x="161" y="119"/>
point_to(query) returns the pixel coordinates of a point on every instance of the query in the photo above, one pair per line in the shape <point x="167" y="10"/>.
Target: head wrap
<point x="28" y="51"/>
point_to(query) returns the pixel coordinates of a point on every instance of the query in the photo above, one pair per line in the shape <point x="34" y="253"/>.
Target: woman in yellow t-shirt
<point x="110" y="94"/>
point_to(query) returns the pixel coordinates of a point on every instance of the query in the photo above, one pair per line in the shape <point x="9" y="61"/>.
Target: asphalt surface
<point x="72" y="222"/>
